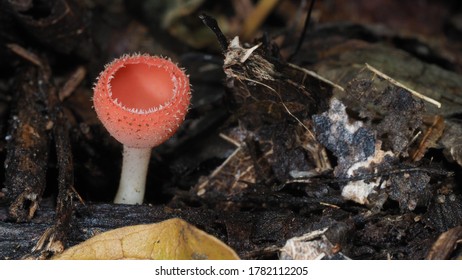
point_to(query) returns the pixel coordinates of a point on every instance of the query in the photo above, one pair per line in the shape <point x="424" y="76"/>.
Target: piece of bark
<point x="39" y="106"/>
<point x="52" y="240"/>
<point x="28" y="145"/>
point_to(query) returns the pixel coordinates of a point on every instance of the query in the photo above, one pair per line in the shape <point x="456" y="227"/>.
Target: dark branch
<point x="211" y="23"/>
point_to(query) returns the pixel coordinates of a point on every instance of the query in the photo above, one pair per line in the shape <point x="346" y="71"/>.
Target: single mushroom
<point x="141" y="100"/>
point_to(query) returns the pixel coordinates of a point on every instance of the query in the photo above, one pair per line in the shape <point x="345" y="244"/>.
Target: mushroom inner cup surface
<point x="142" y="86"/>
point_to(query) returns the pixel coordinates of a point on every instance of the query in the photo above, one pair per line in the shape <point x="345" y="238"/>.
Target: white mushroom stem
<point x="133" y="178"/>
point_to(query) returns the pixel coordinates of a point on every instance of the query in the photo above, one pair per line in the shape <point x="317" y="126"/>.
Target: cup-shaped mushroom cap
<point x="142" y="99"/>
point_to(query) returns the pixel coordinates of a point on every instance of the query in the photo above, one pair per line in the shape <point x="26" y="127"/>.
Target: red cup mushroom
<point x="141" y="100"/>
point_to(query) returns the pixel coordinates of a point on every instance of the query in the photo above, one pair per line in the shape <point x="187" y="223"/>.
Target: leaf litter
<point x="367" y="141"/>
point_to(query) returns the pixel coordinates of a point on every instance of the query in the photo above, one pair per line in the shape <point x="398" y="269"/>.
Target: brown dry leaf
<point x="170" y="239"/>
<point x="432" y="134"/>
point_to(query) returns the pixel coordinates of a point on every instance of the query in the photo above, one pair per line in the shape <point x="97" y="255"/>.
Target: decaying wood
<point x="28" y="145"/>
<point x="52" y="240"/>
<point x="39" y="116"/>
<point x="249" y="232"/>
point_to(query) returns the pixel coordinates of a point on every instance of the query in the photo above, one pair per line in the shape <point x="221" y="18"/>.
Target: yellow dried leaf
<point x="172" y="239"/>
